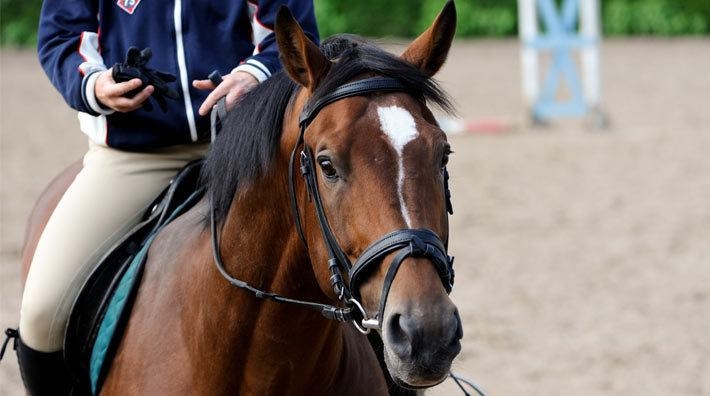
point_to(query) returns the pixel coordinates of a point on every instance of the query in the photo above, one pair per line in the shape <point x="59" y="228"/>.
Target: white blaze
<point x="399" y="126"/>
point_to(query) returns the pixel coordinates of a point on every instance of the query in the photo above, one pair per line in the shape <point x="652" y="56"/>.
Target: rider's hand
<point x="109" y="93"/>
<point x="233" y="85"/>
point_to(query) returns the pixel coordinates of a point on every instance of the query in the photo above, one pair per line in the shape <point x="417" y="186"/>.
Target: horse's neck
<point x="263" y="347"/>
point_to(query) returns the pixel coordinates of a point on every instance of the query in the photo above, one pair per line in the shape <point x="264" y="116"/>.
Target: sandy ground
<point x="583" y="257"/>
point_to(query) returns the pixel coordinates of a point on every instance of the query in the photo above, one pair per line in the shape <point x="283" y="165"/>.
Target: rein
<point x="328" y="311"/>
<point x="408" y="242"/>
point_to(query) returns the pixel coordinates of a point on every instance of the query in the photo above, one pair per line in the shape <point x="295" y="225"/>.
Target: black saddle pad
<point x="89" y="307"/>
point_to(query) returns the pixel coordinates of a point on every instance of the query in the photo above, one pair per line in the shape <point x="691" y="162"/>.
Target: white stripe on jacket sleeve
<point x="259" y="31"/>
<point x="93" y="126"/>
<point x="89" y="51"/>
<point x="90" y="94"/>
<point x="90" y="68"/>
<point x="255" y="68"/>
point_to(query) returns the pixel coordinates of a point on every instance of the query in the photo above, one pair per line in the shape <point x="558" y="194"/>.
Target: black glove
<point x="135" y="67"/>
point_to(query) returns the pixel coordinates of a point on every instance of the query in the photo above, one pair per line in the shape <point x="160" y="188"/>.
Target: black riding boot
<point x="43" y="373"/>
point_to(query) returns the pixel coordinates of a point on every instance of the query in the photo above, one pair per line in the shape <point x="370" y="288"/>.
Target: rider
<point x="133" y="151"/>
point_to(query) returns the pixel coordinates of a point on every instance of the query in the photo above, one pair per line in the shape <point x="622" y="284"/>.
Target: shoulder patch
<point x="128" y="5"/>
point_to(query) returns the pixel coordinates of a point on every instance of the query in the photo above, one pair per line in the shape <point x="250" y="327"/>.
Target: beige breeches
<point x="107" y="198"/>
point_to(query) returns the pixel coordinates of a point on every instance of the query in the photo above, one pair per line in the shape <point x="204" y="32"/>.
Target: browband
<point x="355" y="88"/>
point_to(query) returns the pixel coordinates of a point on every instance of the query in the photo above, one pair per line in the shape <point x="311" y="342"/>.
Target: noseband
<point x="421" y="243"/>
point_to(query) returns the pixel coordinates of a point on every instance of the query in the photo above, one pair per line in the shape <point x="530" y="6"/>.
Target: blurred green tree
<point x="656" y="17"/>
<point x="407" y="18"/>
<point x="18" y="22"/>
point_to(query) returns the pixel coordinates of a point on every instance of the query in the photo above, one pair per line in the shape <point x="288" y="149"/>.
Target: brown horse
<point x="377" y="168"/>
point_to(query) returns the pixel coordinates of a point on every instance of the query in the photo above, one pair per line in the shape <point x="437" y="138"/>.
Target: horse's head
<point x="378" y="161"/>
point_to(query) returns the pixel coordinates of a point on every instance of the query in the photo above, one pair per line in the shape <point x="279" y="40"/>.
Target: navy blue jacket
<point x="189" y="38"/>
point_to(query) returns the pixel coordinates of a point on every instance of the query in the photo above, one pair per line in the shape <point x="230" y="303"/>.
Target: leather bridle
<point x="422" y="243"/>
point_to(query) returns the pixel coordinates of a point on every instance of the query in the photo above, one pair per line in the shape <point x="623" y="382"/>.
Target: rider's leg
<point x="107" y="198"/>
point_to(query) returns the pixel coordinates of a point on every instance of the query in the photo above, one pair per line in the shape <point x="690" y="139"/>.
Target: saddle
<point x="102" y="308"/>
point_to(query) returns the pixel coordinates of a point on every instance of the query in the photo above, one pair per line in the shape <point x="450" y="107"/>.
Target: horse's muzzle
<point x="419" y="345"/>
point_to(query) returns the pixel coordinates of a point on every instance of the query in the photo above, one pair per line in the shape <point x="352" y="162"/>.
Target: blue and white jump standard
<point x="574" y="27"/>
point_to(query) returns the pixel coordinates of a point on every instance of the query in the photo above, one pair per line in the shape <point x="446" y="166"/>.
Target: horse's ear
<point x="429" y="51"/>
<point x="301" y="58"/>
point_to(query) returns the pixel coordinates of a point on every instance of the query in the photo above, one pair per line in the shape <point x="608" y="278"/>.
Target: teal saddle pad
<point x="118" y="307"/>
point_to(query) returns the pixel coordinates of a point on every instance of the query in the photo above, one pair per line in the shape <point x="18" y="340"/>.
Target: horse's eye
<point x="445" y="158"/>
<point x="327" y="167"/>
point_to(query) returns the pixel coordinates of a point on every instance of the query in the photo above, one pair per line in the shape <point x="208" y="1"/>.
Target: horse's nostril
<point x="399" y="335"/>
<point x="458" y="326"/>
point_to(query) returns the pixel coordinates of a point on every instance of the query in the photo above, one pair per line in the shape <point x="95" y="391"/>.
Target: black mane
<point x="248" y="142"/>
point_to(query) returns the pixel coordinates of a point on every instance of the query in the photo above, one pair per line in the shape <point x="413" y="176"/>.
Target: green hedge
<point x="18" y="22"/>
<point x="476" y="18"/>
<point x="406" y="18"/>
<point x="656" y="17"/>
